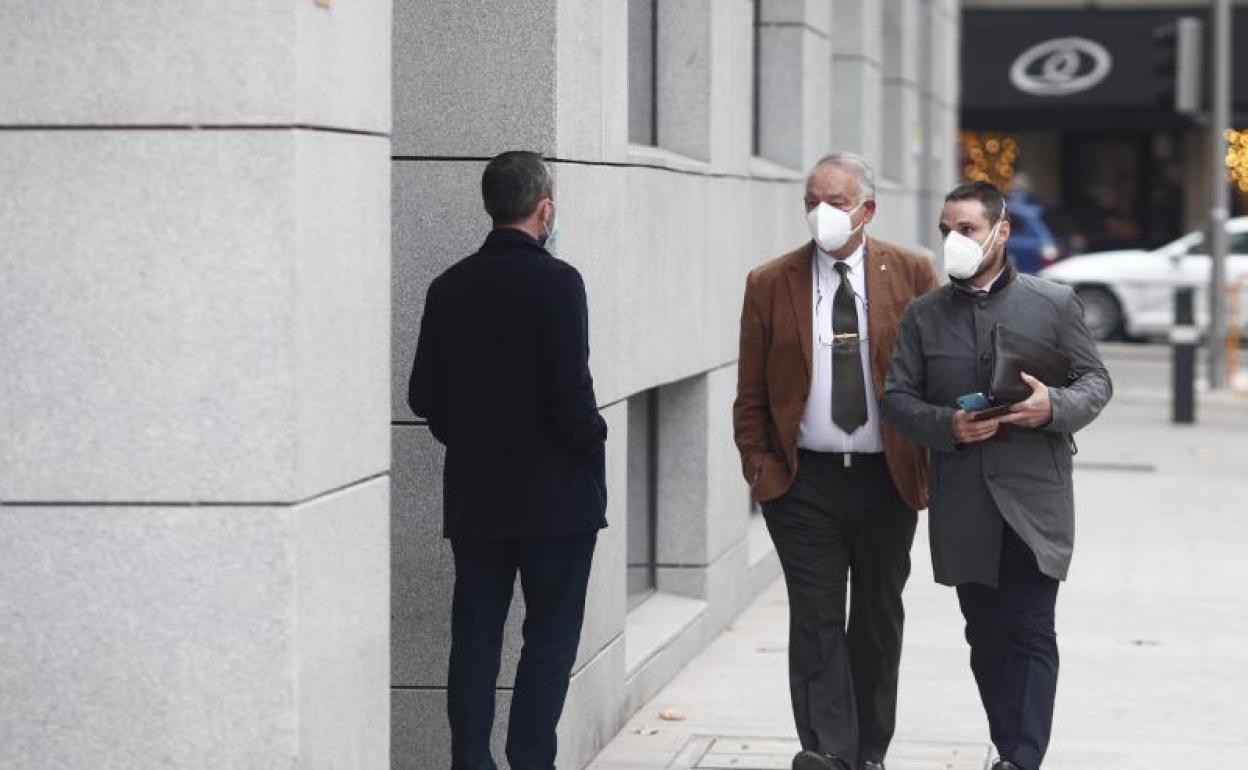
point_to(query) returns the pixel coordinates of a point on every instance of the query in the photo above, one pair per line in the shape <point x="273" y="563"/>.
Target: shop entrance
<point x="1122" y="191"/>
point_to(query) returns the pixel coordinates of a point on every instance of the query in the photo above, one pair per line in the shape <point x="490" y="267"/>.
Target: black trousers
<point x="553" y="573"/>
<point x="1014" y="657"/>
<point x="839" y="528"/>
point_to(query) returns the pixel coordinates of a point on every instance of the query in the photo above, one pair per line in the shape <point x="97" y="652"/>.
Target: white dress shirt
<point x="817" y="432"/>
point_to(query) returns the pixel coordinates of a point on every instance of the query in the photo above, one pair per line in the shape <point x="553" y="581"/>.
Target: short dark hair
<point x="986" y="193"/>
<point x="513" y="184"/>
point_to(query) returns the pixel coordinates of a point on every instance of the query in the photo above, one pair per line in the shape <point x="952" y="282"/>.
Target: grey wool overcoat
<point x="1023" y="476"/>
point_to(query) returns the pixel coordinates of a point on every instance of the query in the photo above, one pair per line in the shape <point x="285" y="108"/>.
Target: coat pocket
<point x="1060" y="452"/>
<point x="770" y="480"/>
<point x="764" y="465"/>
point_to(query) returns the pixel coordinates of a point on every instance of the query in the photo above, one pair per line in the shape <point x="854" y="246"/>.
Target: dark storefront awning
<point x="1077" y="70"/>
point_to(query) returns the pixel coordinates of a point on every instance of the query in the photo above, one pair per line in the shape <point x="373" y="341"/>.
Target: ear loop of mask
<point x="549" y="225"/>
<point x="850" y="214"/>
<point x="992" y="238"/>
<point x="996" y="228"/>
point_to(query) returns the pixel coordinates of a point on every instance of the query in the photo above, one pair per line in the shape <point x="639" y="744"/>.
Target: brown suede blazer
<point x="774" y="375"/>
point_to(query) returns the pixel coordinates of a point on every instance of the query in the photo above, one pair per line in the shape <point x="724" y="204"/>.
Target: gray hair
<point x="852" y="163"/>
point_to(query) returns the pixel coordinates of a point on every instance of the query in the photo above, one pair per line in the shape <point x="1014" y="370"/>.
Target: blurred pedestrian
<point x="1002" y="511"/>
<point x="839" y="489"/>
<point x="502" y="376"/>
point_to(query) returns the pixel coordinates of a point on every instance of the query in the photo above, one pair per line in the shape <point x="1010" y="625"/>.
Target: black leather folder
<point x="1013" y="354"/>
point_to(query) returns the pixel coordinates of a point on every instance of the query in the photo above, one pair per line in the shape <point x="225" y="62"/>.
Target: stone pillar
<point x="857" y="78"/>
<point x="795" y="82"/>
<point x="894" y="84"/>
<point x="194" y="462"/>
<point x="938" y="56"/>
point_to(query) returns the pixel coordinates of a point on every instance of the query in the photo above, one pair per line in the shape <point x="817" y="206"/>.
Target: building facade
<point x="219" y="523"/>
<point x="679" y="132"/>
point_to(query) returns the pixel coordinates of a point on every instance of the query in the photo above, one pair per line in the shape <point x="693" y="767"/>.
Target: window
<point x="669" y="75"/>
<point x="643" y="495"/>
<point x="1236" y="243"/>
<point x="643" y="71"/>
<point x="782" y="46"/>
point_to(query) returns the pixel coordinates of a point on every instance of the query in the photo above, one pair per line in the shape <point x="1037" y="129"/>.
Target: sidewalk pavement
<point x="1152" y="623"/>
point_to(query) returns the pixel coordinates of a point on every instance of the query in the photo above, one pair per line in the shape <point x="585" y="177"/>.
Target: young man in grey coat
<point x="1002" y="504"/>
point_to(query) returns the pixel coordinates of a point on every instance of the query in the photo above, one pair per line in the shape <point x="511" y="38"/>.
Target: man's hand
<point x="1034" y="412"/>
<point x="968" y="431"/>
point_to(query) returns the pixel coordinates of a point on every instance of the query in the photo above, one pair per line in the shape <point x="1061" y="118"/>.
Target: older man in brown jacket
<point x="839" y="489"/>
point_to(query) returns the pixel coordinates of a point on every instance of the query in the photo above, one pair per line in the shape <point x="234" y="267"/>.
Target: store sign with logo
<point x="1068" y="70"/>
<point x="1061" y="67"/>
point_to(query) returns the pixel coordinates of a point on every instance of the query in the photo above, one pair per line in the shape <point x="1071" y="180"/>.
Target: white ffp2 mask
<point x="964" y="256"/>
<point x="831" y="227"/>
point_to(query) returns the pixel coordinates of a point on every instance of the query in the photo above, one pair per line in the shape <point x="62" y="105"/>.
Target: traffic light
<point x="1177" y="61"/>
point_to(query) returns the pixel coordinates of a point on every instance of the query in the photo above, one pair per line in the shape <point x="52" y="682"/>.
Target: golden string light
<point x="1237" y="157"/>
<point x="989" y="157"/>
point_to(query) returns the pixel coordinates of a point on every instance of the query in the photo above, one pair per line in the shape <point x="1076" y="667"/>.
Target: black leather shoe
<point x="871" y="765"/>
<point x="813" y="760"/>
<point x="1005" y="764"/>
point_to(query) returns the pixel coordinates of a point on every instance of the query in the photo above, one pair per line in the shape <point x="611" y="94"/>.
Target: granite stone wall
<point x="194" y="326"/>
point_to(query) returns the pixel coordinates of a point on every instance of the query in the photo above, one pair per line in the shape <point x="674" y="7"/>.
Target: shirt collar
<point x="1003" y="279"/>
<point x="991" y="284"/>
<point x="854" y="260"/>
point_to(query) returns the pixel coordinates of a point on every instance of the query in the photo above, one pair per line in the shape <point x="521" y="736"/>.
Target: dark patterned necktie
<point x="849" y="393"/>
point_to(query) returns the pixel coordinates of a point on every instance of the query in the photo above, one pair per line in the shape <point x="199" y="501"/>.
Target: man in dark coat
<point x="502" y="375"/>
<point x="1002" y="504"/>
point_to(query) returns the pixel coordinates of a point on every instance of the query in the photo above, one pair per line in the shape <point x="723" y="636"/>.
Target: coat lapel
<point x="880" y="298"/>
<point x="801" y="286"/>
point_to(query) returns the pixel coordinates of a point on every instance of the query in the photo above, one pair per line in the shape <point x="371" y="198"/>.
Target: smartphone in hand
<point x="978" y="407"/>
<point x="973" y="402"/>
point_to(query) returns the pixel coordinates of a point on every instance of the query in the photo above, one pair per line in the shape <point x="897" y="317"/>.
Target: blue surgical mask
<point x="552" y="232"/>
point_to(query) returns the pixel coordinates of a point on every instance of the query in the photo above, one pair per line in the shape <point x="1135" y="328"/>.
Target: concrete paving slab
<point x="770" y="754"/>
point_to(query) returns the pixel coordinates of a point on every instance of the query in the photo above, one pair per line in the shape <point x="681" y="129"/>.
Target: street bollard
<point x="1184" y="338"/>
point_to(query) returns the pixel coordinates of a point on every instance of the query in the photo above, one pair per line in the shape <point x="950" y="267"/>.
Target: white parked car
<point x="1132" y="292"/>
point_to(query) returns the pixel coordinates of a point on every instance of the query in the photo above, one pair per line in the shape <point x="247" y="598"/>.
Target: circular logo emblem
<point x="1060" y="67"/>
